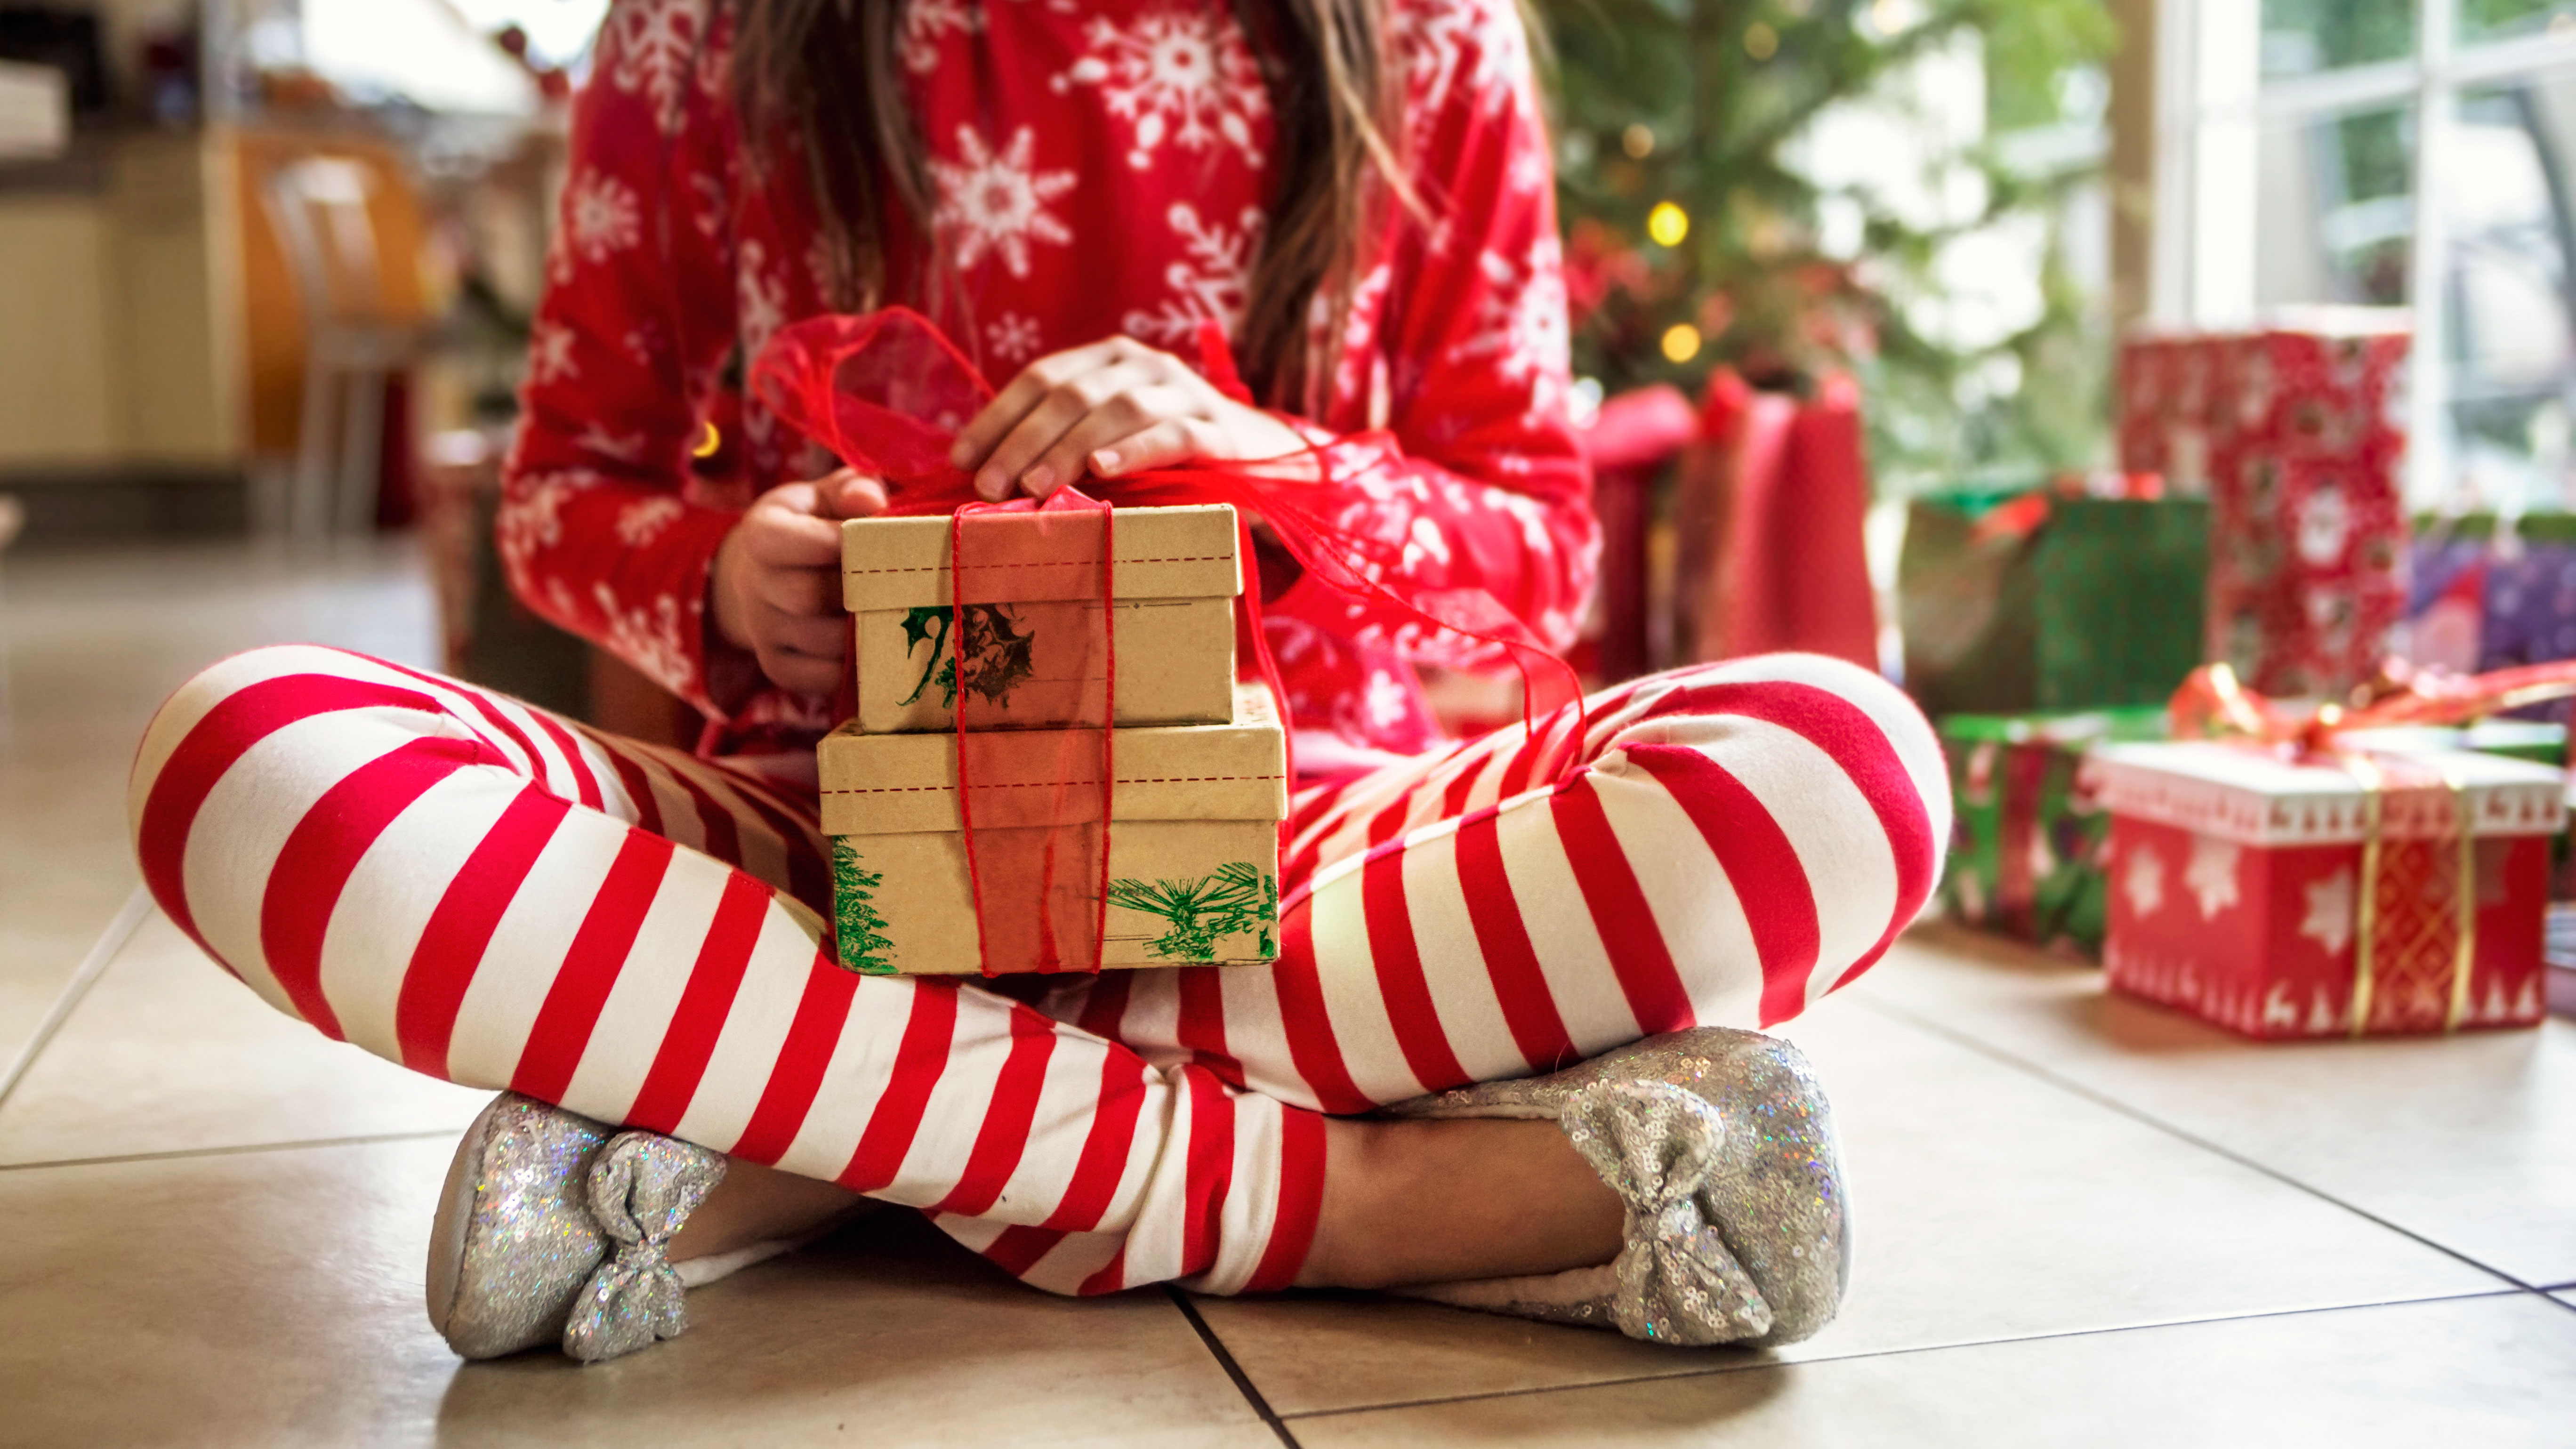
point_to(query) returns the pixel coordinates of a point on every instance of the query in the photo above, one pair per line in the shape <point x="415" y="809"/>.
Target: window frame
<point x="2212" y="103"/>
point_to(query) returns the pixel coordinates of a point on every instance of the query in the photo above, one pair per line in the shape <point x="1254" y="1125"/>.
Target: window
<point x="2390" y="153"/>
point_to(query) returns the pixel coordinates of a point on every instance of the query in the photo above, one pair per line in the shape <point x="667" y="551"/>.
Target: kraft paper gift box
<point x="1193" y="840"/>
<point x="2242" y="888"/>
<point x="2028" y="836"/>
<point x="1174" y="576"/>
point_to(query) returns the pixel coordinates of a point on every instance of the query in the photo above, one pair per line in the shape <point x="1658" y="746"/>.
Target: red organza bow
<point x="887" y="393"/>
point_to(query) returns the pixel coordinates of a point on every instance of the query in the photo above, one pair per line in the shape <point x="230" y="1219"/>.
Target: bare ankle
<point x="1431" y="1202"/>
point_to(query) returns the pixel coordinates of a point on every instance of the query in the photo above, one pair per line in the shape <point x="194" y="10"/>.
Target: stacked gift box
<point x="2295" y="437"/>
<point x="1047" y="639"/>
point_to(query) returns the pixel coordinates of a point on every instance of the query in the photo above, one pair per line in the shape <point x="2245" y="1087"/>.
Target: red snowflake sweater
<point x="1100" y="167"/>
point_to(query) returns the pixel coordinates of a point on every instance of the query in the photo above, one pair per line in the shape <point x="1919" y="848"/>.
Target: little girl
<point x="1359" y="193"/>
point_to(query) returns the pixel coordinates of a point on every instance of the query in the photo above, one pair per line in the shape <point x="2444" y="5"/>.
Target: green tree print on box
<point x="863" y="944"/>
<point x="1000" y="654"/>
<point x="1238" y="899"/>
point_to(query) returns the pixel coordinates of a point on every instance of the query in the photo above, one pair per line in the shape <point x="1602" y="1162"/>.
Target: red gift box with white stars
<point x="2237" y="880"/>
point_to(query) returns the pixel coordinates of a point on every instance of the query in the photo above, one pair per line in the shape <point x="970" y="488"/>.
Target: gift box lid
<point x="2255" y="798"/>
<point x="1159" y="553"/>
<point x="888" y="784"/>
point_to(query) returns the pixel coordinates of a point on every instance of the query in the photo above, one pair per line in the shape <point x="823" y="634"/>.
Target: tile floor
<point x="2081" y="1220"/>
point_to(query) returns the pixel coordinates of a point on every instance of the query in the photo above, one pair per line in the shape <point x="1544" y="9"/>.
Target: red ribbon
<point x="887" y="392"/>
<point x="2213" y="704"/>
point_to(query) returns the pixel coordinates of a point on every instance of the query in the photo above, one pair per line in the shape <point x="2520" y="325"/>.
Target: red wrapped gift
<point x="2288" y="895"/>
<point x="2298" y="439"/>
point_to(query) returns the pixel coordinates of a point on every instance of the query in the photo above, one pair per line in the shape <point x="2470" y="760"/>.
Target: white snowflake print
<point x="1476" y="46"/>
<point x="1386" y="703"/>
<point x="1013" y="337"/>
<point x="648" y="638"/>
<point x="1522" y="325"/>
<point x="531" y="519"/>
<point x="760" y="298"/>
<point x="1177" y="75"/>
<point x="2330" y="914"/>
<point x="995" y="204"/>
<point x="926" y="21"/>
<point x="624" y="447"/>
<point x="550" y="358"/>
<point x="651" y="43"/>
<point x="2211" y="876"/>
<point x="1207" y="282"/>
<point x="2144" y="882"/>
<point x="640" y="523"/>
<point x="601" y="217"/>
<point x="710" y="203"/>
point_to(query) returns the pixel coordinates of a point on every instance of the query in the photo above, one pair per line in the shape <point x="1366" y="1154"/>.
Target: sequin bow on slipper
<point x="1721" y="1147"/>
<point x="556" y="1229"/>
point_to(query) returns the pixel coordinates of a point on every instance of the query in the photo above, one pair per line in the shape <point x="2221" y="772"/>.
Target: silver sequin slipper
<point x="553" y="1228"/>
<point x="1721" y="1145"/>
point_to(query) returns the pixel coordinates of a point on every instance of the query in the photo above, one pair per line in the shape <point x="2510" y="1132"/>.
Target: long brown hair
<point x="826" y="73"/>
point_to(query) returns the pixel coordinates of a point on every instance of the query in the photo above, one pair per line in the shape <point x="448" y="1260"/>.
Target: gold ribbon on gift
<point x="2370" y="771"/>
<point x="2399" y="937"/>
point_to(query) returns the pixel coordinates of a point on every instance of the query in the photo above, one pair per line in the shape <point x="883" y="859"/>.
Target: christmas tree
<point x="1792" y="187"/>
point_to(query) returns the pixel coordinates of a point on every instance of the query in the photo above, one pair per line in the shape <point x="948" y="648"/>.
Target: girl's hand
<point x="776" y="583"/>
<point x="1111" y="408"/>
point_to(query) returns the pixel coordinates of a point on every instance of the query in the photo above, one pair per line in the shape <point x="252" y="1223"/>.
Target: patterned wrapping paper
<point x="2241" y="889"/>
<point x="2485" y="596"/>
<point x="2297" y="441"/>
<point x="2040" y="601"/>
<point x="2027" y="835"/>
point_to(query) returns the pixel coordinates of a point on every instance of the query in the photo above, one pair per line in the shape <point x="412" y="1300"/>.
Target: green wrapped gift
<point x="2027" y="839"/>
<point x="2015" y="601"/>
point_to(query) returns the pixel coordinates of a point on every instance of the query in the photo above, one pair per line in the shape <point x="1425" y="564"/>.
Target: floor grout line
<point x="2140" y="1115"/>
<point x="1225" y="1360"/>
<point x="120" y="929"/>
<point x="1761" y="1365"/>
<point x="242" y="1150"/>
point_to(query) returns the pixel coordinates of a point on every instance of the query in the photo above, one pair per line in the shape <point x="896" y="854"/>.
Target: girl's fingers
<point x="800" y="673"/>
<point x="802" y="592"/>
<point x="976" y="440"/>
<point x="778" y="538"/>
<point x="849" y="494"/>
<point x="1124" y="416"/>
<point x="808" y="634"/>
<point x="1173" y="440"/>
<point x="1016" y="460"/>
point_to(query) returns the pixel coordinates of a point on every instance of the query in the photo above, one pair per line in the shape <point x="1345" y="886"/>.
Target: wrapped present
<point x="1192" y="842"/>
<point x="2295" y="435"/>
<point x="1028" y="648"/>
<point x="2320" y="896"/>
<point x="2491" y="593"/>
<point x="2051" y="599"/>
<point x="2025" y="853"/>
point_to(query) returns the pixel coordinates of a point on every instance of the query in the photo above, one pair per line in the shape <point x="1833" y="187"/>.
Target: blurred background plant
<point x="1906" y="190"/>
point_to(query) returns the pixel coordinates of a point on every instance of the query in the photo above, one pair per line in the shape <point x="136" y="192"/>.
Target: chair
<point x="353" y="343"/>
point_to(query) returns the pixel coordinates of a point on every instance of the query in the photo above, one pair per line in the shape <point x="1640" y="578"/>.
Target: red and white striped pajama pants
<point x="487" y="893"/>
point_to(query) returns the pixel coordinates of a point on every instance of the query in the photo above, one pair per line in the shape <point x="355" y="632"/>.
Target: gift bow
<point x="887" y="391"/>
<point x="2213" y="704"/>
<point x="642" y="1187"/>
